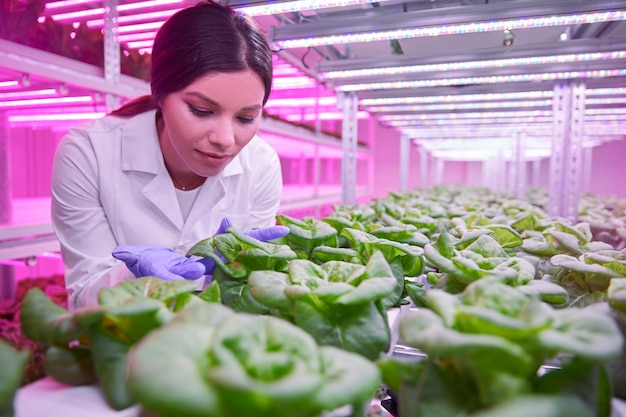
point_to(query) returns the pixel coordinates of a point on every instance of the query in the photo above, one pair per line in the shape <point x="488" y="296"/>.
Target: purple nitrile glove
<point x="158" y="261"/>
<point x="263" y="234"/>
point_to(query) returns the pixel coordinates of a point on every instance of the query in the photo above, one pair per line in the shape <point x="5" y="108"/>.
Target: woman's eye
<point x="246" y="120"/>
<point x="198" y="112"/>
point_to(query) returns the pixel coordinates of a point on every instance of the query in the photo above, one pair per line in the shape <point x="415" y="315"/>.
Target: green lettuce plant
<point x="338" y="303"/>
<point x="91" y="344"/>
<point x="236" y="255"/>
<point x="485" y="348"/>
<point x="212" y="362"/>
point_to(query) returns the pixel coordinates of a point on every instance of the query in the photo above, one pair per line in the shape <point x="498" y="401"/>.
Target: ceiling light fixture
<point x="495" y="79"/>
<point x="455" y="29"/>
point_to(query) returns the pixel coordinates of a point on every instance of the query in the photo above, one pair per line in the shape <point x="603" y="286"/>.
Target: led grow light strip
<point x="121" y="20"/>
<point x="40" y="101"/>
<point x="23" y="118"/>
<point x="300" y="5"/>
<point x="30" y="93"/>
<point x="301" y="102"/>
<point x="322" y="116"/>
<point x="292" y="82"/>
<point x="11" y="83"/>
<point x="457" y="98"/>
<point x="464" y="122"/>
<point x="482" y="97"/>
<point x="472" y="115"/>
<point x="66" y="3"/>
<point x="494" y="79"/>
<point x="473" y="65"/>
<point x="100" y="11"/>
<point x="460" y="106"/>
<point x="566" y="20"/>
<point x="140" y="44"/>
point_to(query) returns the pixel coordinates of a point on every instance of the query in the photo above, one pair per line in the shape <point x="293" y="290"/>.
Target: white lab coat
<point x="110" y="187"/>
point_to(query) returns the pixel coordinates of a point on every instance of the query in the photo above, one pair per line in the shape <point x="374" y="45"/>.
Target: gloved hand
<point x="158" y="261"/>
<point x="264" y="234"/>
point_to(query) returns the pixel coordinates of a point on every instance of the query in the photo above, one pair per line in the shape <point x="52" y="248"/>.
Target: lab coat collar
<point x="140" y="144"/>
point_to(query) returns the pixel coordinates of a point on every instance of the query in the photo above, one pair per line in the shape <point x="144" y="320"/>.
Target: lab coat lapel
<point x="161" y="193"/>
<point x="141" y="152"/>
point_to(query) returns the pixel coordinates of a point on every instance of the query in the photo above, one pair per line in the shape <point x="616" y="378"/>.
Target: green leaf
<point x="343" y="369"/>
<point x="359" y="328"/>
<point x="109" y="358"/>
<point x="268" y="288"/>
<point x="46" y="322"/>
<point x="174" y="390"/>
<point x="547" y="291"/>
<point x="70" y="366"/>
<point x="211" y="293"/>
<point x="148" y="287"/>
<point x="506" y="236"/>
<point x="587" y="334"/>
<point x="617" y="294"/>
<point x="538" y="406"/>
<point x="12" y="363"/>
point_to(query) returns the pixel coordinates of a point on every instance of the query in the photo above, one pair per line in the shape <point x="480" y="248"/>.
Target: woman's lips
<point x="215" y="158"/>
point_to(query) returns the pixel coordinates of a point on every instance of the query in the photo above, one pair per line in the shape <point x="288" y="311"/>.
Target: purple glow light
<point x="40" y="101"/>
<point x="9" y="83"/>
<point x="31" y="93"/>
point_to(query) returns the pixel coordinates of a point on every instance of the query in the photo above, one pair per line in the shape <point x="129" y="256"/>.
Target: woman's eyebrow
<point x="216" y="104"/>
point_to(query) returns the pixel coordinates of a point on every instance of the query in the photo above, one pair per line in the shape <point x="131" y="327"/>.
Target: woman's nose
<point x="224" y="134"/>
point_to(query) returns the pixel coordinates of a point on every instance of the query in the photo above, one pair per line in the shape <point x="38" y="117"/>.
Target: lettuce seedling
<point x="235" y="364"/>
<point x="92" y="343"/>
<point x="236" y="255"/>
<point x="492" y="340"/>
<point x="306" y="234"/>
<point x="338" y="303"/>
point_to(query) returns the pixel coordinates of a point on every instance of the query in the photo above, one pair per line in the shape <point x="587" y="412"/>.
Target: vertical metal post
<point x="112" y="66"/>
<point x="536" y="173"/>
<point x="6" y="205"/>
<point x="423" y="167"/>
<point x="518" y="167"/>
<point x="568" y="109"/>
<point x="587" y="164"/>
<point x="439" y="165"/>
<point x="349" y="133"/>
<point x="405" y="155"/>
<point x="499" y="171"/>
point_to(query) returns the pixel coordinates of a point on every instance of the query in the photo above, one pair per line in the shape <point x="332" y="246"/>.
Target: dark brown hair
<point x="205" y="38"/>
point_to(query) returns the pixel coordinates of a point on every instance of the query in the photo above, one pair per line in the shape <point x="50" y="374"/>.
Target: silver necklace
<point x="184" y="187"/>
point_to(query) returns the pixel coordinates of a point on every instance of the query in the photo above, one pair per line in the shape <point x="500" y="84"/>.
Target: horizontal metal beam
<point x="436" y="17"/>
<point x="29" y="60"/>
<point x="579" y="46"/>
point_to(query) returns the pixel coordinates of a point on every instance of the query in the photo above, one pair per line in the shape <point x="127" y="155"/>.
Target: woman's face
<point x="205" y="125"/>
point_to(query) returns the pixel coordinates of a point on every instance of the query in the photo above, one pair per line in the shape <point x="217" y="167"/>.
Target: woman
<point x="160" y="174"/>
